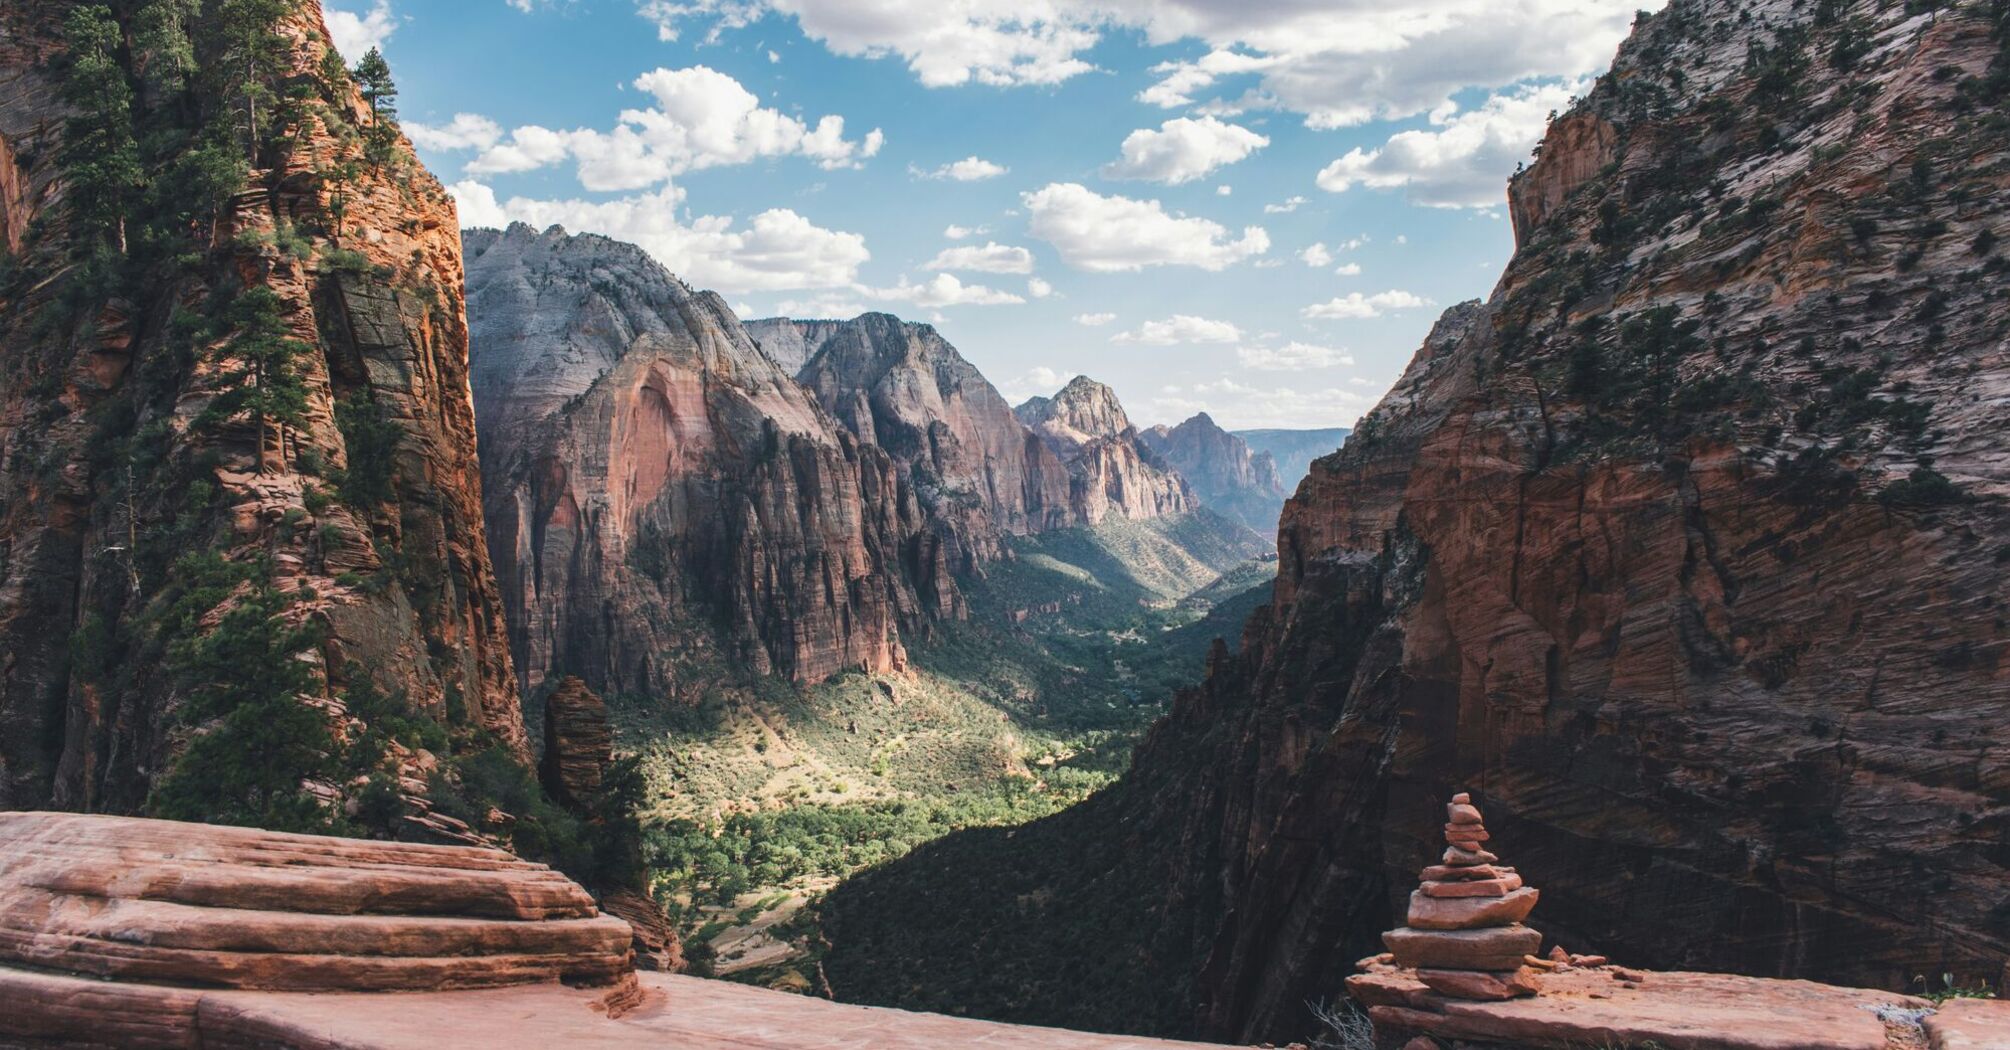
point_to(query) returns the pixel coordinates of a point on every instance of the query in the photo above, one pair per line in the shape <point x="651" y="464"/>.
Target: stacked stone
<point x="1465" y="938"/>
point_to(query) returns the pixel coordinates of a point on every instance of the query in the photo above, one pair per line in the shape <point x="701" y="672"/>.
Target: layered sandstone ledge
<point x="196" y="905"/>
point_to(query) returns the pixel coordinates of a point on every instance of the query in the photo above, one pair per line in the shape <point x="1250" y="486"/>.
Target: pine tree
<point x="265" y="376"/>
<point x="373" y="78"/>
<point x="250" y="49"/>
<point x="100" y="160"/>
<point x="245" y="682"/>
<point x="161" y="45"/>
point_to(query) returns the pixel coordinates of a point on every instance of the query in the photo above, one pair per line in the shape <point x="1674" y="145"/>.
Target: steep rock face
<point x="1644" y="552"/>
<point x="1223" y="471"/>
<point x="578" y="743"/>
<point x="904" y="388"/>
<point x="1111" y="469"/>
<point x="667" y="491"/>
<point x="110" y="471"/>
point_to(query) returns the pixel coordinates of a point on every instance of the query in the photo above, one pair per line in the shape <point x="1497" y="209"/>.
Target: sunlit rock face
<point x="1112" y="471"/>
<point x="660" y="490"/>
<point x="1225" y="474"/>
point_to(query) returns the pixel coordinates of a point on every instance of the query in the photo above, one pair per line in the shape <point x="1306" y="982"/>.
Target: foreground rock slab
<point x="670" y="1011"/>
<point x="1606" y="1006"/>
<point x="1970" y="1024"/>
<point x="187" y="904"/>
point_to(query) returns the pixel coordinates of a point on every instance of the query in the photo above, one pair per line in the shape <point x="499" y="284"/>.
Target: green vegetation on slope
<point x="761" y="798"/>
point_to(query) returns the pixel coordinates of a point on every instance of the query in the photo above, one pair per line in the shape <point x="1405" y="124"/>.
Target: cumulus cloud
<point x="701" y="118"/>
<point x="943" y="290"/>
<point x="969" y="169"/>
<point x="1237" y="404"/>
<point x="1182" y="150"/>
<point x="1038" y="288"/>
<point x="1094" y="320"/>
<point x="1037" y="380"/>
<point x="465" y="131"/>
<point x="1283" y="207"/>
<point x="1315" y="254"/>
<point x="957" y="233"/>
<point x="1464" y="160"/>
<point x="1348" y="269"/>
<point x="777" y="250"/>
<point x="991" y="258"/>
<point x="1337" y="63"/>
<point x="1180" y="328"/>
<point x="1290" y="357"/>
<point x="1354" y="305"/>
<point x="1115" y="234"/>
<point x="355" y="34"/>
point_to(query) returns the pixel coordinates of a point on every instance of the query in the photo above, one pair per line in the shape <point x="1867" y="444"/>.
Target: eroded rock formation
<point x="662" y="493"/>
<point x="110" y="469"/>
<point x="1111" y="470"/>
<point x="1684" y="549"/>
<point x="1225" y="474"/>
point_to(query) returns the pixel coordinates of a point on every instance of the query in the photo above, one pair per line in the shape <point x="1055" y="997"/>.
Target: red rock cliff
<point x="1686" y="553"/>
<point x="661" y="493"/>
<point x="111" y="470"/>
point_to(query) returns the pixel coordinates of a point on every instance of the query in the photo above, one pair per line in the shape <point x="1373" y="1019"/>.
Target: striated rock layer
<point x="1225" y="474"/>
<point x="660" y="491"/>
<point x="1687" y="550"/>
<point x="1111" y="469"/>
<point x="109" y="471"/>
<point x="904" y="388"/>
<point x="164" y="902"/>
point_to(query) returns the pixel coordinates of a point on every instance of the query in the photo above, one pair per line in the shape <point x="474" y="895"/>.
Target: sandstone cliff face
<point x="108" y="471"/>
<point x="1223" y="471"/>
<point x="1111" y="470"/>
<point x="663" y="491"/>
<point x="1646" y="553"/>
<point x="903" y="387"/>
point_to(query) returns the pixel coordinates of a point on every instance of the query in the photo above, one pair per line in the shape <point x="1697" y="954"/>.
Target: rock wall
<point x="1685" y="553"/>
<point x="1224" y="472"/>
<point x="1111" y="469"/>
<point x="661" y="494"/>
<point x="109" y="471"/>
<point x="903" y="387"/>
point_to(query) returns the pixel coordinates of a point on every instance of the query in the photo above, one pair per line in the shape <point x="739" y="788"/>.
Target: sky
<point x="1254" y="208"/>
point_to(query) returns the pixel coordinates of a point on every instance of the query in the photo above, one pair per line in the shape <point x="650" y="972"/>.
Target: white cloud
<point x="465" y="131"/>
<point x="701" y="118"/>
<point x="1038" y="288"/>
<point x="1289" y="205"/>
<point x="1113" y="234"/>
<point x="943" y="290"/>
<point x="1315" y="255"/>
<point x="991" y="258"/>
<point x="1182" y="150"/>
<point x="957" y="233"/>
<point x="354" y="35"/>
<point x="817" y="306"/>
<point x="1037" y="380"/>
<point x="1355" y="305"/>
<point x="772" y="57"/>
<point x="1237" y="404"/>
<point x="777" y="250"/>
<point x="1348" y="269"/>
<point x="1465" y="161"/>
<point x="1180" y="328"/>
<point x="1094" y="320"/>
<point x="1336" y="62"/>
<point x="969" y="169"/>
<point x="1223" y="190"/>
<point x="1290" y="357"/>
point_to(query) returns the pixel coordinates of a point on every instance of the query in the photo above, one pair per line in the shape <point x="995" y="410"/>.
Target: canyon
<point x="1711" y="627"/>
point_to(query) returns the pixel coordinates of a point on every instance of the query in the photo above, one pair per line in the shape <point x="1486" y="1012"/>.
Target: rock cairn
<point x="1464" y="937"/>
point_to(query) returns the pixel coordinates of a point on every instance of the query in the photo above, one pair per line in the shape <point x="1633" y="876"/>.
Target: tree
<point x="99" y="158"/>
<point x="373" y="79"/>
<point x="161" y="46"/>
<point x="246" y="682"/>
<point x="265" y="378"/>
<point x="250" y="48"/>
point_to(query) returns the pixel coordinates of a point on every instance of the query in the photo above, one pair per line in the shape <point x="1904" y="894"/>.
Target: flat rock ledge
<point x="1613" y="1006"/>
<point x="166" y="903"/>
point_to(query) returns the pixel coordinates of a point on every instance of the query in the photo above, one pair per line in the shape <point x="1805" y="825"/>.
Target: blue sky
<point x="1255" y="209"/>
